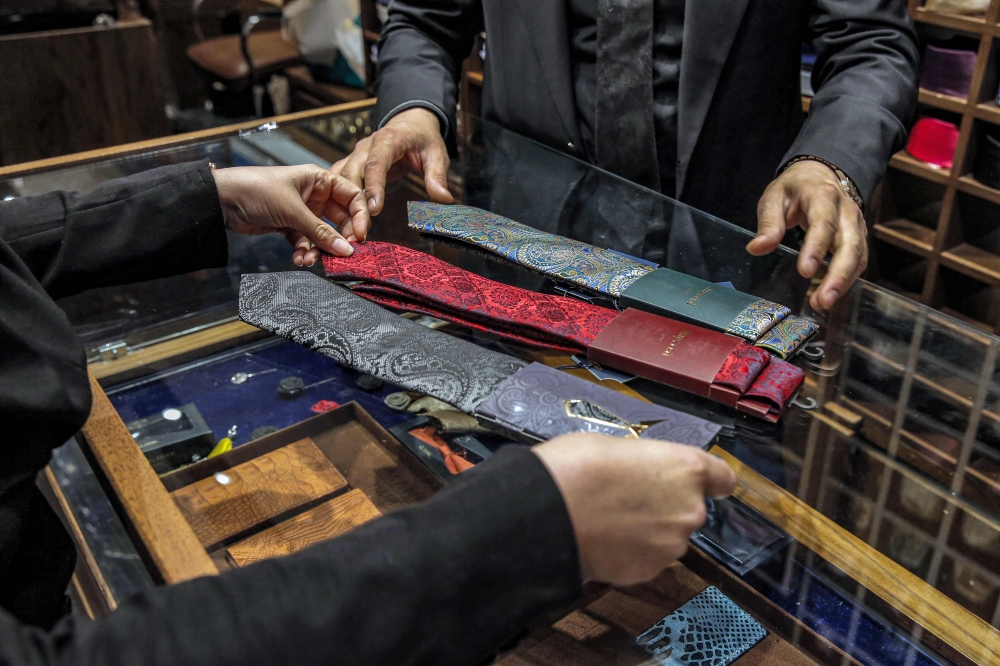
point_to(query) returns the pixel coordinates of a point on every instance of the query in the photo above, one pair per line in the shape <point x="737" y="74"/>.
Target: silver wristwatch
<point x="846" y="183"/>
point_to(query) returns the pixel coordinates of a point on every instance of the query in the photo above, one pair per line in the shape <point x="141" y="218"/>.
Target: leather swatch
<point x="543" y="403"/>
<point x="592" y="268"/>
<point x="709" y="630"/>
<point x="331" y="320"/>
<point x="229" y="503"/>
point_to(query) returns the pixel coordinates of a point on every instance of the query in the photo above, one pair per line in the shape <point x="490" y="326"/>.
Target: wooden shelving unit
<point x="897" y="357"/>
<point x="947" y="258"/>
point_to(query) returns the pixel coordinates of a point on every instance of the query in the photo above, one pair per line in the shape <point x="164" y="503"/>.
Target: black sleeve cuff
<point x="155" y="224"/>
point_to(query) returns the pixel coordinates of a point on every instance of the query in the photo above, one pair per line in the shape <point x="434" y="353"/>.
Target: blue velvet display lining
<point x="254" y="403"/>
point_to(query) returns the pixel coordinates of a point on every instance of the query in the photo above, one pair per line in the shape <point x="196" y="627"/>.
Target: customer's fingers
<point x="345" y="204"/>
<point x="772" y="211"/>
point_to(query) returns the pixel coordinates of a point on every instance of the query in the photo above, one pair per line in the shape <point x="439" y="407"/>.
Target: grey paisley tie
<point x="331" y="320"/>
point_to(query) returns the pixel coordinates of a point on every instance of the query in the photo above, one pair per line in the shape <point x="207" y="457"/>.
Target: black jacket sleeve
<point x="446" y="582"/>
<point x="865" y="78"/>
<point x="420" y="54"/>
<point x="157" y="223"/>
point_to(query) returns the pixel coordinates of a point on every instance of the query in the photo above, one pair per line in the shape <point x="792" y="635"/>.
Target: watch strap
<point x="846" y="183"/>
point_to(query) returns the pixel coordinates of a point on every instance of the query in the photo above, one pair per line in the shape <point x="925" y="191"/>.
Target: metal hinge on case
<point x="572" y="293"/>
<point x="266" y="127"/>
<point x="113" y="350"/>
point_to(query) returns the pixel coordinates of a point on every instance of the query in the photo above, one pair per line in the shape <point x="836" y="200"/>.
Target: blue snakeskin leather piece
<point x="709" y="630"/>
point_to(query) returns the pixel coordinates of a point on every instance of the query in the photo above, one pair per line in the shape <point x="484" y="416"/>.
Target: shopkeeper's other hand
<point x="808" y="194"/>
<point x="289" y="201"/>
<point x="633" y="503"/>
<point x="410" y="142"/>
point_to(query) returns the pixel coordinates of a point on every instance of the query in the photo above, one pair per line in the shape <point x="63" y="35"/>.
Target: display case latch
<point x="266" y="127"/>
<point x="113" y="350"/>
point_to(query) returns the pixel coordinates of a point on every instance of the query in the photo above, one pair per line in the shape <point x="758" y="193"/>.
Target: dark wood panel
<point x="169" y="141"/>
<point x="227" y="504"/>
<point x="70" y="90"/>
<point x="330" y="519"/>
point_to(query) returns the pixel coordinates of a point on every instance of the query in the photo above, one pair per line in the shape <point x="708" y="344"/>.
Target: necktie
<point x="947" y="71"/>
<point x="543" y="403"/>
<point x="552" y="319"/>
<point x="625" y="133"/>
<point x="331" y="320"/>
<point x="583" y="265"/>
<point x="610" y="273"/>
<point x="721" y="367"/>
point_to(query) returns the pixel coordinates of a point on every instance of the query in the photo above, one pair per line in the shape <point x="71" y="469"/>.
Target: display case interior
<point x="882" y="482"/>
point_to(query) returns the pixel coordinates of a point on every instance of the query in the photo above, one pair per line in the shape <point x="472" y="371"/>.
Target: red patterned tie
<point x="434" y="284"/>
<point x="404" y="279"/>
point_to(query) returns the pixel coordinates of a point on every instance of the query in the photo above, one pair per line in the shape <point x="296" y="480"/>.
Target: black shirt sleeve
<point x="446" y="582"/>
<point x="157" y="223"/>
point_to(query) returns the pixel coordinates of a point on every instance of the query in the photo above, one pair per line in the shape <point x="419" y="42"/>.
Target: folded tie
<point x="332" y="321"/>
<point x="947" y="71"/>
<point x="933" y="141"/>
<point x="787" y="336"/>
<point x="606" y="272"/>
<point x="712" y="364"/>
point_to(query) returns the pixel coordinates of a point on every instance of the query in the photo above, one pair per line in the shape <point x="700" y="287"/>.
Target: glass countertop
<point x="902" y="450"/>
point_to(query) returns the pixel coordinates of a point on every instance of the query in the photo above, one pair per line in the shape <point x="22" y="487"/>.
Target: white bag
<point x="325" y="28"/>
<point x="958" y="6"/>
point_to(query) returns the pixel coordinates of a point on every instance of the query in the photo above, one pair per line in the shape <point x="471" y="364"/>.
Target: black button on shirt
<point x="668" y="32"/>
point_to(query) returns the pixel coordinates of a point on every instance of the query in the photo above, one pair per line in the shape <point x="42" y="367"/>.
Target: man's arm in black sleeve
<point x="420" y="56"/>
<point x="161" y="222"/>
<point x="865" y="78"/>
<point x="446" y="582"/>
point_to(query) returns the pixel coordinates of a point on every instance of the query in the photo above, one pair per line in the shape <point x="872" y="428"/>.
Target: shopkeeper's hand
<point x="410" y="142"/>
<point x="633" y="503"/>
<point x="289" y="201"/>
<point x="808" y="194"/>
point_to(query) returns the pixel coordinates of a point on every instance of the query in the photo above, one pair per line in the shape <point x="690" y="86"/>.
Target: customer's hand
<point x="410" y="141"/>
<point x="633" y="503"/>
<point x="289" y="200"/>
<point x="808" y="194"/>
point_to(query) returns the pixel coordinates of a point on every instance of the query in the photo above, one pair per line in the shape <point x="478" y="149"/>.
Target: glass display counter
<point x="881" y="485"/>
